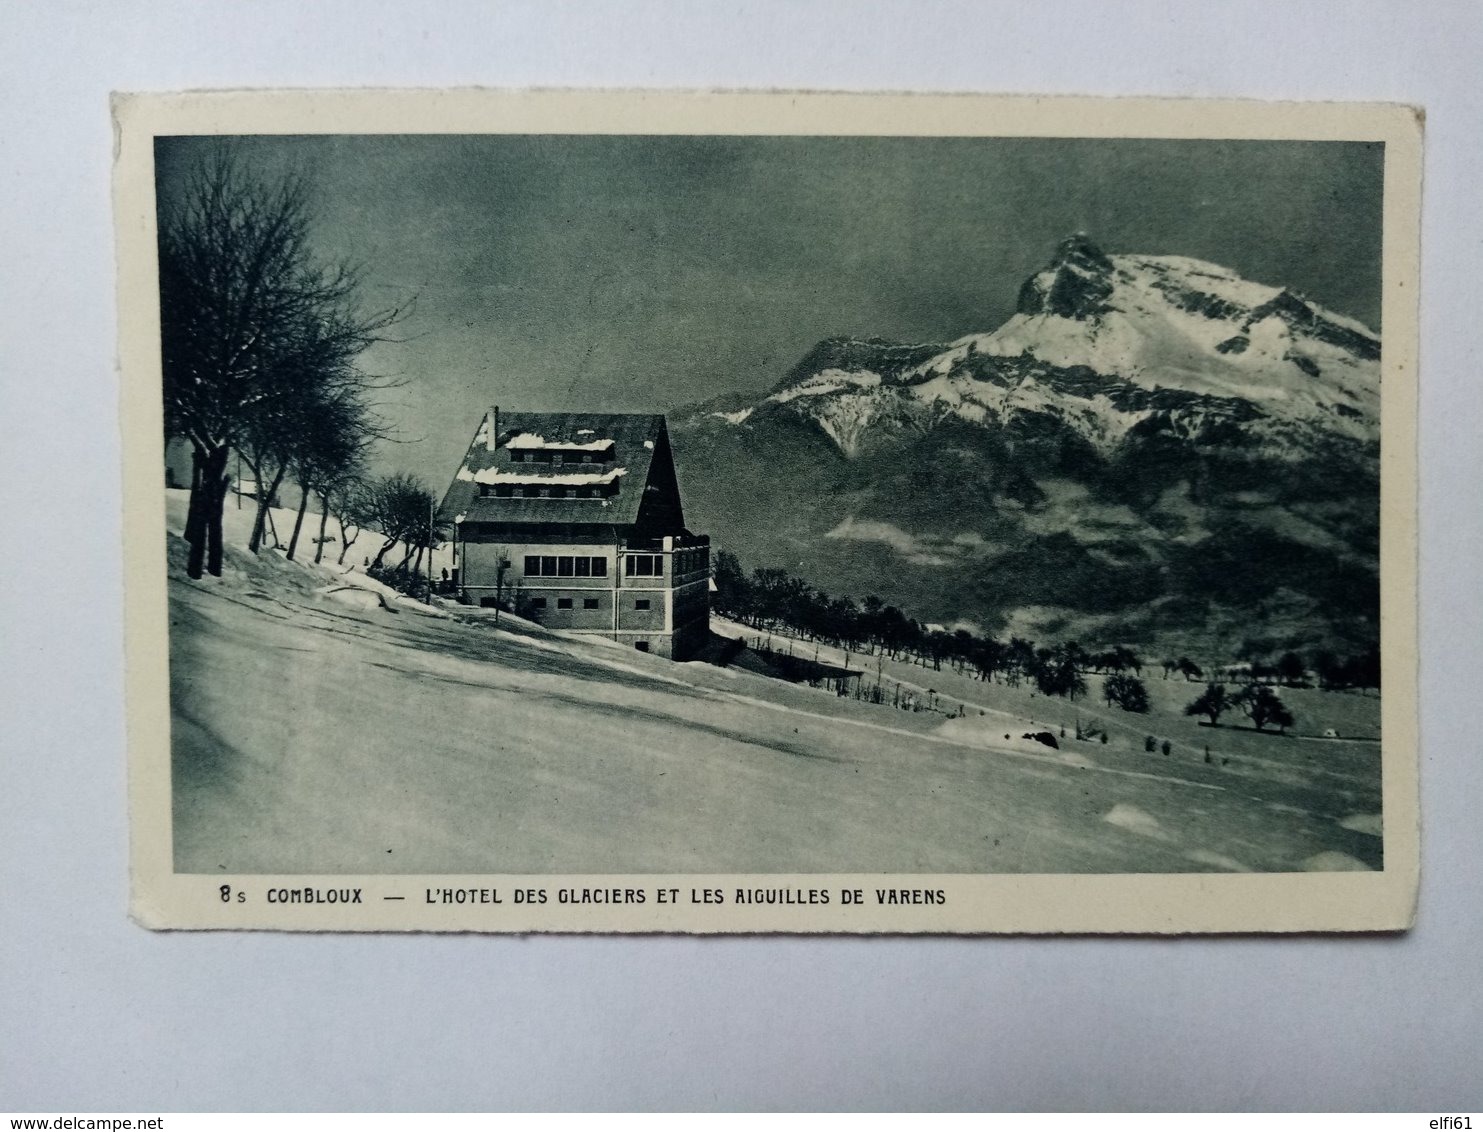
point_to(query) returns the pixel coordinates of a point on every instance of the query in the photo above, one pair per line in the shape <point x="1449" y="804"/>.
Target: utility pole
<point x="432" y="510"/>
<point x="500" y="566"/>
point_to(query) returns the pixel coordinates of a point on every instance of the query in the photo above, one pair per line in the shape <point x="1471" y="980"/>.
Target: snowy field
<point x="323" y="724"/>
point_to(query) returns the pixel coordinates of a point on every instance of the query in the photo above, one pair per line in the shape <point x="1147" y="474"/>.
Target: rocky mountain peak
<point x="1153" y="449"/>
<point x="880" y="356"/>
<point x="1077" y="284"/>
<point x="1078" y="250"/>
<point x="1302" y="316"/>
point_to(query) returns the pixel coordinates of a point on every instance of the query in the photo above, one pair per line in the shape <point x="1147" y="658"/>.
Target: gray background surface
<point x="101" y="1015"/>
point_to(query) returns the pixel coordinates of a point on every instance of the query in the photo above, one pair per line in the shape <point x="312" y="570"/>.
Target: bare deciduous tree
<point x="250" y="321"/>
<point x="332" y="446"/>
<point x="399" y="506"/>
<point x="349" y="499"/>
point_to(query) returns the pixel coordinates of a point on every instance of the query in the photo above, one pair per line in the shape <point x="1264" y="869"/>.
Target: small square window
<point x="641" y="603"/>
<point x="589" y="603"/>
<point x="538" y="602"/>
<point x="563" y="603"/>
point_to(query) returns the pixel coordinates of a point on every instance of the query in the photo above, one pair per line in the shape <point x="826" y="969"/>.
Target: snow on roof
<point x="494" y="475"/>
<point x="536" y="440"/>
<point x="617" y="437"/>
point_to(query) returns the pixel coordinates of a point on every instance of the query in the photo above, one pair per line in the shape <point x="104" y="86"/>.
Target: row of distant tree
<point x="262" y="344"/>
<point x="772" y="599"/>
<point x="1256" y="701"/>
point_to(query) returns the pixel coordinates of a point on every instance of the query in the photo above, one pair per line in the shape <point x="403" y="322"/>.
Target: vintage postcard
<point x="743" y="512"/>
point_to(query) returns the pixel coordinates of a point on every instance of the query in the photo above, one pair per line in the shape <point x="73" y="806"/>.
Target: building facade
<point x="575" y="519"/>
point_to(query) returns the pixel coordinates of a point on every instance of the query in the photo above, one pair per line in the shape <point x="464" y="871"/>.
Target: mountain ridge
<point x="1137" y="420"/>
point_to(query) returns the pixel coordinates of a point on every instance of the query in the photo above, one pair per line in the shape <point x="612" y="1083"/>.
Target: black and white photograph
<point x="779" y="505"/>
<point x="740" y="557"/>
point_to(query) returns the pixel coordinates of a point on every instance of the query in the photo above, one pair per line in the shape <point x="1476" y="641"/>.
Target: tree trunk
<point x="212" y="490"/>
<point x="217" y="502"/>
<point x="258" y="520"/>
<point x="380" y="554"/>
<point x="264" y="502"/>
<point x="346" y="542"/>
<point x="195" y="518"/>
<point x="324" y="517"/>
<point x="293" y="539"/>
<point x="259" y="507"/>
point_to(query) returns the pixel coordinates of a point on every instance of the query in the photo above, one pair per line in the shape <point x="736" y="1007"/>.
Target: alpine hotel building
<point x="576" y="519"/>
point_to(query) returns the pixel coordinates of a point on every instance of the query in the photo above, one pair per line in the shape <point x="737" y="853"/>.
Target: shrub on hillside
<point x="1211" y="703"/>
<point x="1126" y="692"/>
<point x="1262" y="706"/>
<point x="1057" y="676"/>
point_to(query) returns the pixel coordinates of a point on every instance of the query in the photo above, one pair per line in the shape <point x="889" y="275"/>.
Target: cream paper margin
<point x="1136" y="903"/>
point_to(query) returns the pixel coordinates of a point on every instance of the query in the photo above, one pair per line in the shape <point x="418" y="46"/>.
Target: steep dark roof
<point x="635" y="437"/>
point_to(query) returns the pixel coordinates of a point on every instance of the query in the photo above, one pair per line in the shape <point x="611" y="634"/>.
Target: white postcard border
<point x="1152" y="903"/>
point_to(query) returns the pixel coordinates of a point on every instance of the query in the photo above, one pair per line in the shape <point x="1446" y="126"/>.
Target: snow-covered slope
<point x="312" y="736"/>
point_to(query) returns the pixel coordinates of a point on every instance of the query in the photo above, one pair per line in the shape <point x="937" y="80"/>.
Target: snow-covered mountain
<point x="1151" y="447"/>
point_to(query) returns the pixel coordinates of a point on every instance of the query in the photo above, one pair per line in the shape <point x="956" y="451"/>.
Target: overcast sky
<point x="641" y="273"/>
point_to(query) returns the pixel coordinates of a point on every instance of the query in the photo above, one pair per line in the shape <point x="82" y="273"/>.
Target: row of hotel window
<point x="596" y="566"/>
<point x="557" y="491"/>
<point x="591" y="566"/>
<point x="587" y="603"/>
